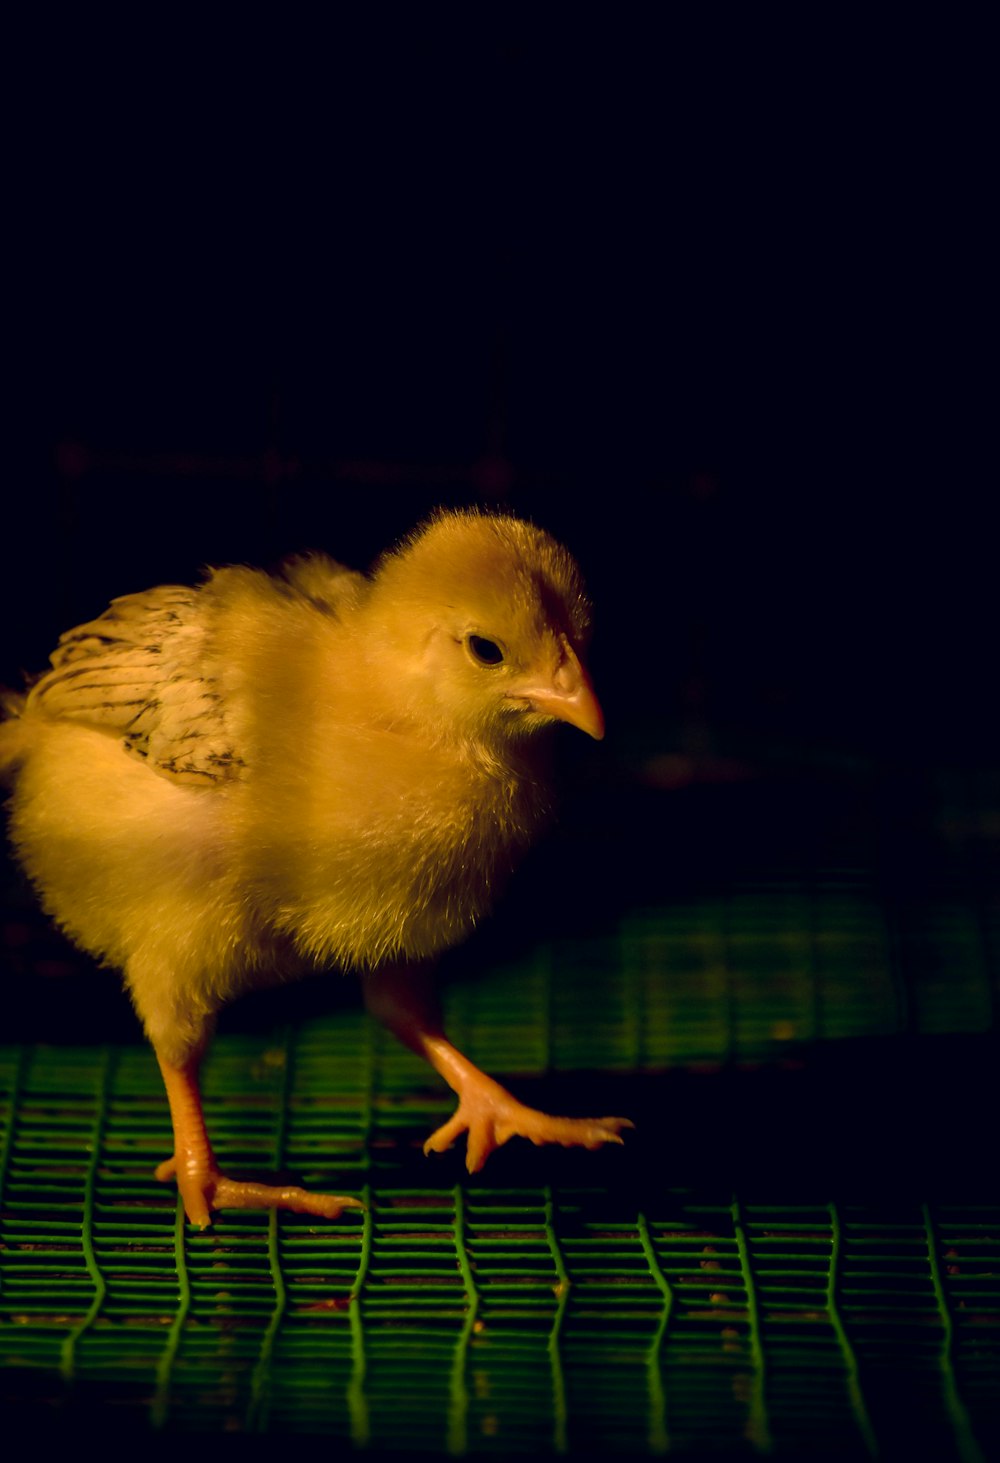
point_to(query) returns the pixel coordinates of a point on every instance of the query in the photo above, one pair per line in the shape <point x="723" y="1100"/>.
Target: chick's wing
<point x="140" y="670"/>
<point x="148" y="668"/>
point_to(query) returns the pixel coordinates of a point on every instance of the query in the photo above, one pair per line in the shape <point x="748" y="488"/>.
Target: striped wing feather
<point x="138" y="670"/>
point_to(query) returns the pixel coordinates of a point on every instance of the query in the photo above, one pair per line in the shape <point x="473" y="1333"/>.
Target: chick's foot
<point x="202" y="1187"/>
<point x="203" y="1190"/>
<point x="490" y="1115"/>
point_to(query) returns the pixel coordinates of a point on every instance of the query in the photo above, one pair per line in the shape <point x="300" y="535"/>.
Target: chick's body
<point x="220" y="786"/>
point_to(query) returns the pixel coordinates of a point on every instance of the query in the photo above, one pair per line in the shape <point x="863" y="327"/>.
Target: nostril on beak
<point x="567" y="677"/>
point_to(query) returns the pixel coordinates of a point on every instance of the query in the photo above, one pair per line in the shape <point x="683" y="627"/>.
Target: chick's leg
<point x="202" y="1187"/>
<point x="404" y="999"/>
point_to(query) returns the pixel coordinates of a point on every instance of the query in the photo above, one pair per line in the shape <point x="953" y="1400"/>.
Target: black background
<point x="711" y="305"/>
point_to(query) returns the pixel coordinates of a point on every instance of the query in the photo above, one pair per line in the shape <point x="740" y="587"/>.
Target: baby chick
<point x="217" y="787"/>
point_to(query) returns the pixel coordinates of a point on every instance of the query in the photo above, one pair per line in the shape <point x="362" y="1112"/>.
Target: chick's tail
<point x="14" y="735"/>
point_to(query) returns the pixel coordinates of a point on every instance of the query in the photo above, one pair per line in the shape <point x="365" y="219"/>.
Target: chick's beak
<point x="568" y="695"/>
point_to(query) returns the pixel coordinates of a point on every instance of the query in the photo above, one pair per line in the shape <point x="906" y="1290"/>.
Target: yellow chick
<point x="222" y="786"/>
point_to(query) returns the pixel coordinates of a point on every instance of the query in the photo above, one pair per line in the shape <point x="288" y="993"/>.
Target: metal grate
<point x="464" y="1317"/>
<point x="560" y="1302"/>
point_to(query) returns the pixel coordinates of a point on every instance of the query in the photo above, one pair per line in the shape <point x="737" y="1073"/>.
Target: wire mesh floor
<point x="725" y="1283"/>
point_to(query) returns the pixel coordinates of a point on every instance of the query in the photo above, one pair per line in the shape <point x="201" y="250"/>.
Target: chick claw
<point x="490" y="1116"/>
<point x="205" y="1190"/>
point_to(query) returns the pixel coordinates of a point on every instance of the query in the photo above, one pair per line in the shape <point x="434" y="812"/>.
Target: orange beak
<point x="569" y="696"/>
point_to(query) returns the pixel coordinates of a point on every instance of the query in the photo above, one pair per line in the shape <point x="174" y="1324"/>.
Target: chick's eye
<point x="487" y="652"/>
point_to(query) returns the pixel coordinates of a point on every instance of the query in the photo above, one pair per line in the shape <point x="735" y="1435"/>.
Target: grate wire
<point x="759" y="1427"/>
<point x="259" y="1389"/>
<point x="69" y="1347"/>
<point x="562" y="1292"/>
<point x="968" y="1448"/>
<point x="357" y="1402"/>
<point x="855" y="1390"/>
<point x="659" y="1438"/>
<point x="458" y="1408"/>
<point x="165" y="1368"/>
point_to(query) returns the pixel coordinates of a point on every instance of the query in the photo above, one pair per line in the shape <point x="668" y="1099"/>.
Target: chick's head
<point x="487" y="620"/>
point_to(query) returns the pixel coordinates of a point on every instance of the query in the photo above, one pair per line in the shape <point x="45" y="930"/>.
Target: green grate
<point x="627" y="1301"/>
<point x="465" y="1317"/>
